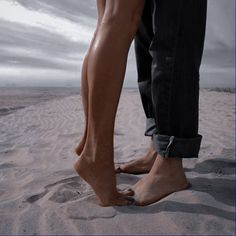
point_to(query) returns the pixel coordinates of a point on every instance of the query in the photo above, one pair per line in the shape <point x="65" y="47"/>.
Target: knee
<point x="122" y="24"/>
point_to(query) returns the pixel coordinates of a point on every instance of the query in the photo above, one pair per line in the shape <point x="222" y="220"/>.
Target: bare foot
<point x="166" y="176"/>
<point x="101" y="177"/>
<point x="141" y="166"/>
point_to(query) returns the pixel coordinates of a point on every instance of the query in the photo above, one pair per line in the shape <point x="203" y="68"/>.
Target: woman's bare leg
<point x="84" y="80"/>
<point x="106" y="69"/>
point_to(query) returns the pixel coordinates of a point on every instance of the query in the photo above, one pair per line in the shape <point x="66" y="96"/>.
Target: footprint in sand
<point x="36" y="197"/>
<point x="62" y="191"/>
<point x="88" y="209"/>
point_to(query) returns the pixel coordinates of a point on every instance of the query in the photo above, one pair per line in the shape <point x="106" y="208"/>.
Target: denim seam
<point x="171" y="140"/>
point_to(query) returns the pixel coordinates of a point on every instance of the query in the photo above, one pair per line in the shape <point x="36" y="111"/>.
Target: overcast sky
<point x="43" y="42"/>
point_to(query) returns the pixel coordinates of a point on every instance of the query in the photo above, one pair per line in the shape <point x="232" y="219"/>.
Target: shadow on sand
<point x="220" y="188"/>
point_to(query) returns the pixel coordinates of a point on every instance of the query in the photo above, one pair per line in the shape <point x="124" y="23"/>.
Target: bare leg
<point x="84" y="95"/>
<point x="84" y="79"/>
<point x="140" y="166"/>
<point x="106" y="69"/>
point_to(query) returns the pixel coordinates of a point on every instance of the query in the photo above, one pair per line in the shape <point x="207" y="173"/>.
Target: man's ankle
<point x="172" y="162"/>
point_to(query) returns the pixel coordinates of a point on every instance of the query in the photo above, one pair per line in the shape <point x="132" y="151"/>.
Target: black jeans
<point x="169" y="45"/>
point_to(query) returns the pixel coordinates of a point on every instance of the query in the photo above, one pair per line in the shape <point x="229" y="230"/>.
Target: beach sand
<point x="40" y="193"/>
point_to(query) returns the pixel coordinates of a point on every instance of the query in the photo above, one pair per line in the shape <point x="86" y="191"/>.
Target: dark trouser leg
<point x="176" y="49"/>
<point x="143" y="39"/>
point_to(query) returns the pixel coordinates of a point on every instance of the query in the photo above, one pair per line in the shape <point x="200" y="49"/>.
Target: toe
<point x="118" y="169"/>
<point x="123" y="200"/>
<point x="127" y="192"/>
<point x="120" y="201"/>
<point x="131" y="201"/>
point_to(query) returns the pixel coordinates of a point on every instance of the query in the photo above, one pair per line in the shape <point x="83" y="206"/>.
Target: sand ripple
<point x="41" y="194"/>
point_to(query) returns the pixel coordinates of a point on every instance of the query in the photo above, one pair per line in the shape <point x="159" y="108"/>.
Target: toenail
<point x="131" y="201"/>
<point x="130" y="190"/>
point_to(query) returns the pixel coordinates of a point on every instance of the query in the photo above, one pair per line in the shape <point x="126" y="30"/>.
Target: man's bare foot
<point x="101" y="177"/>
<point x="166" y="176"/>
<point x="141" y="166"/>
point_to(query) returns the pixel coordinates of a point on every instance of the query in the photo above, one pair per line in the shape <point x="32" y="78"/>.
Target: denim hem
<point x="171" y="146"/>
<point x="150" y="127"/>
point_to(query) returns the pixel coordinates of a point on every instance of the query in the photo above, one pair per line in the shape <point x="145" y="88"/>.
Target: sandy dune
<point x="40" y="193"/>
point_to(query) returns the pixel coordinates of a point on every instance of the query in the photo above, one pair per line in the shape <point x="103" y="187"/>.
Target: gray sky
<point x="43" y="42"/>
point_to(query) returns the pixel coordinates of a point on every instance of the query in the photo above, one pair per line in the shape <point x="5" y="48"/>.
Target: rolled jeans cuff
<point x="171" y="146"/>
<point x="150" y="127"/>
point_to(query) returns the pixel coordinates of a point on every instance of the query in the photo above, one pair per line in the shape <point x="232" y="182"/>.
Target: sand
<point x="40" y="193"/>
<point x="15" y="98"/>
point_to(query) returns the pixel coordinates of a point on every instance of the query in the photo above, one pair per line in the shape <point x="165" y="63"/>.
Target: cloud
<point x="38" y="42"/>
<point x="73" y="10"/>
<point x="45" y="40"/>
<point x="77" y="32"/>
<point x="18" y="39"/>
<point x="220" y="32"/>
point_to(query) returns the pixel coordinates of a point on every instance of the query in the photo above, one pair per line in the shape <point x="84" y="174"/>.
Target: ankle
<point x="151" y="146"/>
<point x="98" y="161"/>
<point x="152" y="151"/>
<point x="170" y="163"/>
<point x="152" y="154"/>
<point x="83" y="164"/>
